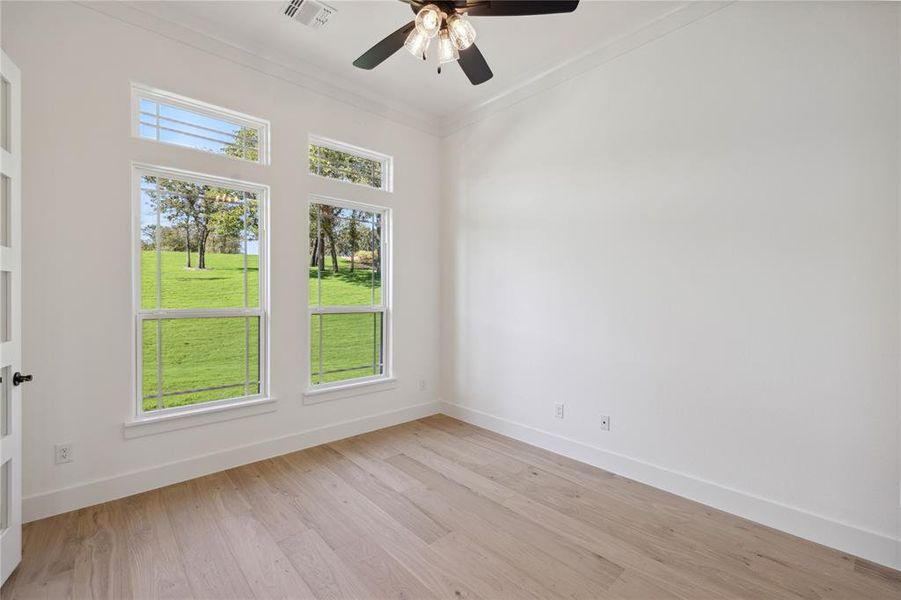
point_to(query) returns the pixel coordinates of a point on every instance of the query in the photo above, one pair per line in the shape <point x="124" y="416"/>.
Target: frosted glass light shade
<point x="417" y="43"/>
<point x="462" y="33"/>
<point x="428" y="20"/>
<point x="447" y="52"/>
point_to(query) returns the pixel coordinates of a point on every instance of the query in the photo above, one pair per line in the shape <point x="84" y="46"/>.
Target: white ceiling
<point x="518" y="49"/>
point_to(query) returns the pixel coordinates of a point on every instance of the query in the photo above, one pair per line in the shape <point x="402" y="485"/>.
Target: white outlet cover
<point x="62" y="453"/>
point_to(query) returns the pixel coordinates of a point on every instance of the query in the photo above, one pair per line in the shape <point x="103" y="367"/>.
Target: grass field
<point x="214" y="352"/>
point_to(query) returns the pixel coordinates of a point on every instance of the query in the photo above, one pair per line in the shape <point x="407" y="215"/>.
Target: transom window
<point x="174" y="119"/>
<point x="348" y="297"/>
<point x="336" y="160"/>
<point x="201" y="271"/>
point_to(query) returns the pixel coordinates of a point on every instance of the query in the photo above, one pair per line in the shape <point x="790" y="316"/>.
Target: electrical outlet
<point x="605" y="422"/>
<point x="422" y="385"/>
<point x="62" y="453"/>
<point x="558" y="410"/>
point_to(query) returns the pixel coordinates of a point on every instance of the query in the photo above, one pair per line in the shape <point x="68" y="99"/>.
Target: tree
<point x="246" y="145"/>
<point x="323" y="230"/>
<point x="232" y="223"/>
<point x="201" y="212"/>
<point x="353" y="237"/>
<point x="345" y="166"/>
<point x="179" y="202"/>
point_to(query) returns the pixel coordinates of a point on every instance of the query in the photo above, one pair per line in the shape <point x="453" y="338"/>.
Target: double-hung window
<point x="349" y="314"/>
<point x="200" y="290"/>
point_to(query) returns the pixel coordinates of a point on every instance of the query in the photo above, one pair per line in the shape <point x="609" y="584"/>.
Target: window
<point x="335" y="160"/>
<point x="349" y="319"/>
<point x="174" y="119"/>
<point x="199" y="288"/>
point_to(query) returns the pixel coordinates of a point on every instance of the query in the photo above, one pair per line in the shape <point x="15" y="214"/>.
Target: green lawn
<point x="210" y="352"/>
<point x="220" y="285"/>
<point x="351" y="342"/>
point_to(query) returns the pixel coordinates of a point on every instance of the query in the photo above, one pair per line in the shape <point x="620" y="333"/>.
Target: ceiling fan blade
<point x="381" y="51"/>
<point x="473" y="64"/>
<point x="516" y="8"/>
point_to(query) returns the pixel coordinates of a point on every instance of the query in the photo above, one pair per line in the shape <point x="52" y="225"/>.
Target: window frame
<point x="386" y="160"/>
<point x="385" y="308"/>
<point x="140" y="314"/>
<point x="143" y="92"/>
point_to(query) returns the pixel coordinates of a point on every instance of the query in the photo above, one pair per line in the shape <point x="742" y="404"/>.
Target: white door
<point x="10" y="319"/>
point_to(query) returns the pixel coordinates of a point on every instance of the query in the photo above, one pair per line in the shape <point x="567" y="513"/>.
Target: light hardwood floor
<point x="433" y="508"/>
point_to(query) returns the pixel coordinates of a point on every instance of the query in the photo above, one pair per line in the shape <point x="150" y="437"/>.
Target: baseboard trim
<point x="870" y="545"/>
<point x="63" y="500"/>
<point x="879" y="548"/>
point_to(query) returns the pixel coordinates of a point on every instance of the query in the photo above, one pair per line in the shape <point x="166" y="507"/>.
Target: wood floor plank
<point x="382" y="573"/>
<point x="492" y="576"/>
<point x="209" y="565"/>
<point x="322" y="569"/>
<point x="369" y="455"/>
<point x="658" y="536"/>
<point x="764" y="553"/>
<point x="275" y="510"/>
<point x="101" y="567"/>
<point x="435" y="508"/>
<point x="393" y="537"/>
<point x="287" y="477"/>
<point x="57" y="539"/>
<point x="155" y="565"/>
<point x="396" y="505"/>
<point x="569" y="570"/>
<point x="578" y="532"/>
<point x="267" y="570"/>
<point x="734" y="529"/>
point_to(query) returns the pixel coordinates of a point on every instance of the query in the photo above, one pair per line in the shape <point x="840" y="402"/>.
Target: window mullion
<point x="246" y="299"/>
<point x="159" y="293"/>
<point x="321" y="319"/>
<point x="347" y="310"/>
<point x="372" y="259"/>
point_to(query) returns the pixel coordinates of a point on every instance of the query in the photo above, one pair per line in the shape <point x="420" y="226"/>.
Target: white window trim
<point x="140" y="170"/>
<point x="351" y="388"/>
<point x="386" y="160"/>
<point x="387" y="375"/>
<point x="142" y="92"/>
<point x="202" y="415"/>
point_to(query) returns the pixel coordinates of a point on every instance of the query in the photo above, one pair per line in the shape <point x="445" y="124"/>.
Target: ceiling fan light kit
<point x="447" y="19"/>
<point x="447" y="50"/>
<point x="462" y="33"/>
<point x="454" y="33"/>
<point x="428" y="20"/>
<point x="417" y="43"/>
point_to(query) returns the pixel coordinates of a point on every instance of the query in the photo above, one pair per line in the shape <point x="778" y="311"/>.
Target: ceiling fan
<point x="447" y="20"/>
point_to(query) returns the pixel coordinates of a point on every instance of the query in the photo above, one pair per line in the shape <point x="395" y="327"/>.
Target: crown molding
<point x="321" y="82"/>
<point x="315" y="80"/>
<point x="590" y="59"/>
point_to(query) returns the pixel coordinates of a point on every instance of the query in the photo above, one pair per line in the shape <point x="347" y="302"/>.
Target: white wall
<point x="77" y="246"/>
<point x="700" y="239"/>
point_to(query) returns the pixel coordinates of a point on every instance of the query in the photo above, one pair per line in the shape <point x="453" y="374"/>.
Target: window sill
<point x="199" y="416"/>
<point x="316" y="396"/>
